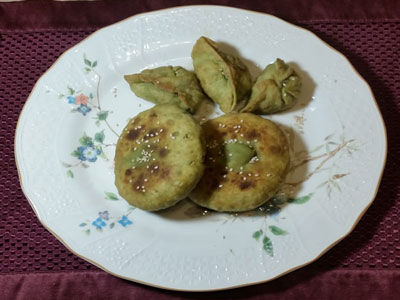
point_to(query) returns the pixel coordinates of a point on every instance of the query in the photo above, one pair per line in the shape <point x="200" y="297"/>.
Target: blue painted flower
<point x="71" y="100"/>
<point x="104" y="215"/>
<point x="124" y="221"/>
<point x="99" y="223"/>
<point x="88" y="153"/>
<point x="84" y="109"/>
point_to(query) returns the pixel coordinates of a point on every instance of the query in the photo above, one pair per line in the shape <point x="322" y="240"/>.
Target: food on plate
<point x="174" y="85"/>
<point x="276" y="89"/>
<point x="223" y="77"/>
<point x="246" y="160"/>
<point x="159" y="157"/>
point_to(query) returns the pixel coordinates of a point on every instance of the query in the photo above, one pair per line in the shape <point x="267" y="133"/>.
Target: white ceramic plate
<point x="66" y="137"/>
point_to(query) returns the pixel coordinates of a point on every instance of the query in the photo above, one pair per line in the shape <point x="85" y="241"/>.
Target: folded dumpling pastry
<point x="246" y="160"/>
<point x="174" y="85"/>
<point x="159" y="157"/>
<point x="276" y="89"/>
<point x="224" y="78"/>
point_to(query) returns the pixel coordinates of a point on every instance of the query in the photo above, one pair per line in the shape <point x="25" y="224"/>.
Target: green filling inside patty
<point x="238" y="155"/>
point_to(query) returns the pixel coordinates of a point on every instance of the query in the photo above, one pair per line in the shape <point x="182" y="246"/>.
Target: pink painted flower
<point x="82" y="99"/>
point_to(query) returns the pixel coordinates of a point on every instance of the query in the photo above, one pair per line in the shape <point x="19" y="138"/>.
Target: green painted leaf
<point x="70" y="174"/>
<point x="75" y="153"/>
<point x="98" y="123"/>
<point x="86" y="140"/>
<point x="336" y="185"/>
<point x="112" y="225"/>
<point x="94" y="64"/>
<point x="87" y="231"/>
<point x="71" y="91"/>
<point x="87" y="69"/>
<point x="300" y="200"/>
<point x="91" y="96"/>
<point x="85" y="165"/>
<point x="111" y="196"/>
<point x="99" y="136"/>
<point x="257" y="234"/>
<point x="82" y="224"/>
<point x="61" y="96"/>
<point x="102" y="154"/>
<point x="102" y="115"/>
<point x="277" y="231"/>
<point x="87" y="62"/>
<point x="267" y="246"/>
<point x="66" y="165"/>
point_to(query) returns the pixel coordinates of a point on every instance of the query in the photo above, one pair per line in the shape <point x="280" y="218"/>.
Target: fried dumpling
<point x="174" y="85"/>
<point x="223" y="77"/>
<point x="276" y="89"/>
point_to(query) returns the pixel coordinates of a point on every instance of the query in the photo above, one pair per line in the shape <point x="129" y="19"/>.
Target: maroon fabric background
<point x="366" y="265"/>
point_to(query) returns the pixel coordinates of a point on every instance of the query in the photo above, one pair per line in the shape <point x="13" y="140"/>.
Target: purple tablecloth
<point x="35" y="265"/>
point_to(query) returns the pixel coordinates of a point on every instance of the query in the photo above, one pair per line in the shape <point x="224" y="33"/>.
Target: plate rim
<point x="241" y="10"/>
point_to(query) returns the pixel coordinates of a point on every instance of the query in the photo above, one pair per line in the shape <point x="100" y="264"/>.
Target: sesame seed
<point x="255" y="141"/>
<point x="145" y="180"/>
<point x="256" y="175"/>
<point x="268" y="175"/>
<point x="241" y="168"/>
<point x="146" y="141"/>
<point x="148" y="146"/>
<point x="158" y="123"/>
<point x="236" y="131"/>
<point x="241" y="172"/>
<point x="241" y="121"/>
<point x="224" y="176"/>
<point x="249" y="174"/>
<point x="221" y="185"/>
<point x="166" y="147"/>
<point x="138" y="187"/>
<point x="244" y="178"/>
<point x="144" y="191"/>
<point x="130" y="180"/>
<point x="242" y="135"/>
<point x="155" y="167"/>
<point x="230" y="154"/>
<point x="154" y="159"/>
<point x="133" y="168"/>
<point x="231" y="169"/>
<point x="142" y="187"/>
<point x="139" y="127"/>
<point x="134" y="149"/>
<point x="147" y="167"/>
<point x="161" y="130"/>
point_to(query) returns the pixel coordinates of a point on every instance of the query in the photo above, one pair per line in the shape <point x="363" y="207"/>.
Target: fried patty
<point x="159" y="157"/>
<point x="246" y="160"/>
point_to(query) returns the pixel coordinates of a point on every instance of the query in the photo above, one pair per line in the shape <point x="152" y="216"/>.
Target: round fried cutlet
<point x="159" y="157"/>
<point x="246" y="160"/>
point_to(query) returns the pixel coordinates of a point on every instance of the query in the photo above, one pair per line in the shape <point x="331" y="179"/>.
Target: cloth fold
<point x="302" y="284"/>
<point x="83" y="14"/>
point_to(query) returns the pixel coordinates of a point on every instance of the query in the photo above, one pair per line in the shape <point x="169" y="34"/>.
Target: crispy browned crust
<point x="167" y="171"/>
<point x="228" y="190"/>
